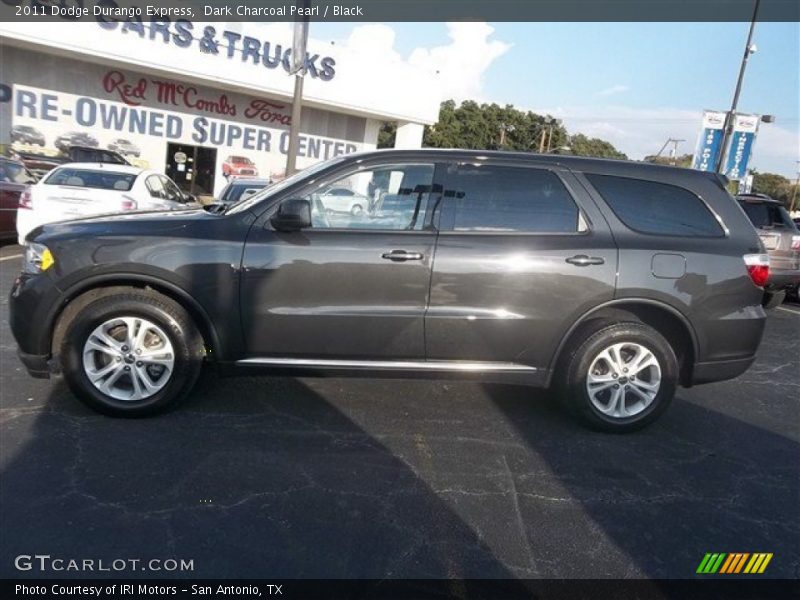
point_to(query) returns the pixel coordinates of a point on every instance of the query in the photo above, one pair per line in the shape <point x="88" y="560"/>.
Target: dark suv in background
<point x="781" y="238"/>
<point x="614" y="282"/>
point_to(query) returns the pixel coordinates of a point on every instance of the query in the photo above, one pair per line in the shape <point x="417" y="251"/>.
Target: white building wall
<point x="409" y="135"/>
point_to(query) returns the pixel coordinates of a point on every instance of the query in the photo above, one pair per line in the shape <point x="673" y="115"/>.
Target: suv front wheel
<point x="621" y="377"/>
<point x="131" y="353"/>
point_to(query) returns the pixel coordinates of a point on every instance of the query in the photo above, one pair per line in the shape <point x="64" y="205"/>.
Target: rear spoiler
<point x="718" y="178"/>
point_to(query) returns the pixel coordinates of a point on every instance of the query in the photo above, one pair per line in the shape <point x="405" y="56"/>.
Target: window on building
<point x="507" y="199"/>
<point x="656" y="208"/>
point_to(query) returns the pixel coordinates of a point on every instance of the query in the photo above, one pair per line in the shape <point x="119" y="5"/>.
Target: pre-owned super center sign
<point x="58" y="109"/>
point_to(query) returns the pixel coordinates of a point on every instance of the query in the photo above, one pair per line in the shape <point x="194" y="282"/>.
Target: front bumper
<point x="32" y="305"/>
<point x="37" y="365"/>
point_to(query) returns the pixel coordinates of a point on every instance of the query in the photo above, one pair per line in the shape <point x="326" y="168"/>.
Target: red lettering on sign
<point x="130" y="94"/>
<point x="263" y="110"/>
<point x="178" y="94"/>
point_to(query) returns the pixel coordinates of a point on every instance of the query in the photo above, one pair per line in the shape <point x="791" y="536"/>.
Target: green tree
<point x="775" y="186"/>
<point x="386" y="135"/>
<point x="493" y="127"/>
<point x="684" y="160"/>
<point x="489" y="127"/>
<point x="580" y="145"/>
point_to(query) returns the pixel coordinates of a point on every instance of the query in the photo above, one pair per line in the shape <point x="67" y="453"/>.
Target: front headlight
<point x="38" y="258"/>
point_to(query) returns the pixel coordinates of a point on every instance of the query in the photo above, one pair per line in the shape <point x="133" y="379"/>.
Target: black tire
<point x="356" y="209"/>
<point x="176" y="323"/>
<point x="583" y="351"/>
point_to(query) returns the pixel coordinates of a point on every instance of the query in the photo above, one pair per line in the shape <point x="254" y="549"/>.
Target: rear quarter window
<point x="656" y="208"/>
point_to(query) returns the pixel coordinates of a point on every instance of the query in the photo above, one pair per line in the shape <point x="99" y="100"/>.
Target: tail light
<point x="129" y="204"/>
<point x="757" y="268"/>
<point x="26" y="199"/>
<point x="796" y="242"/>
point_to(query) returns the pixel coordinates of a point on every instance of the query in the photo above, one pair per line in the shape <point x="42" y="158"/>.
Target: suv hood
<point x="130" y="223"/>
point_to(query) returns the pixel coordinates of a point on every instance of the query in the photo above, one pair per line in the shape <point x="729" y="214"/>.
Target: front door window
<point x="387" y="197"/>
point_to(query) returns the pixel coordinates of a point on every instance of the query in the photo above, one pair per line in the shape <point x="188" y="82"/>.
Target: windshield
<point x="237" y="192"/>
<point x="104" y="180"/>
<point x="765" y="216"/>
<point x="15" y="173"/>
<point x="276" y="188"/>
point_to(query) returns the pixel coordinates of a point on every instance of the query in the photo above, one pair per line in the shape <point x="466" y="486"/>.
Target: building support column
<point x="409" y="135"/>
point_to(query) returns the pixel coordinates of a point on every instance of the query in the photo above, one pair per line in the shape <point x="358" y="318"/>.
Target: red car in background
<point x="14" y="178"/>
<point x="239" y="166"/>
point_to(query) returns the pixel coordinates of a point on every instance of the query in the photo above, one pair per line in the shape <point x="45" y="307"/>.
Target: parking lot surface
<point x="340" y="478"/>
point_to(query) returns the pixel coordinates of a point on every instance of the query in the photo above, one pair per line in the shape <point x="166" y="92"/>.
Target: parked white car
<point x="76" y="190"/>
<point x="343" y="200"/>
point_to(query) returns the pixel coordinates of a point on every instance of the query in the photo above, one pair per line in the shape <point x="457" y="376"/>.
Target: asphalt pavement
<point x="345" y="478"/>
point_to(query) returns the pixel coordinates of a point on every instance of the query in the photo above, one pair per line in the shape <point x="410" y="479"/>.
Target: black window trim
<point x="554" y="169"/>
<point x="588" y="183"/>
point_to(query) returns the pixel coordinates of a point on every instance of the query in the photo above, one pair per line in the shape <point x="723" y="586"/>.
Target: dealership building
<point x="201" y="102"/>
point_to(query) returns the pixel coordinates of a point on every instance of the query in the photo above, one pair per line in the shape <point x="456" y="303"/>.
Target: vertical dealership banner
<point x="745" y="128"/>
<point x="709" y="143"/>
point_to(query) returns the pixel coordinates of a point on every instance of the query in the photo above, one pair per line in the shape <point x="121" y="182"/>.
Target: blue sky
<point x="635" y="84"/>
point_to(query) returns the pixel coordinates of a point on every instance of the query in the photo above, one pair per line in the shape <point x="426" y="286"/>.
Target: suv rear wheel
<point x="131" y="353"/>
<point x="621" y="377"/>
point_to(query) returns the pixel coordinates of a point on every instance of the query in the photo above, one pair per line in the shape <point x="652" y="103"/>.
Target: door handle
<point x="401" y="255"/>
<point x="581" y="260"/>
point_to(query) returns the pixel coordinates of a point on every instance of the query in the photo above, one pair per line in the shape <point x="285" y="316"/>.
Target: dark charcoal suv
<point x="612" y="281"/>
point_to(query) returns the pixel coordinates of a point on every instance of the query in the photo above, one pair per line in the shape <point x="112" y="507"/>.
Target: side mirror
<point x="292" y="215"/>
<point x="188" y="198"/>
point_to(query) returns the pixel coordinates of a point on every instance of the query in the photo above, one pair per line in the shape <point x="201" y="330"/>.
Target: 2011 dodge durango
<point x="613" y="282"/>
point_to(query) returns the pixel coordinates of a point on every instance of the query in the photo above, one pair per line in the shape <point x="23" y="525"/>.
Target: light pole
<point x="299" y="70"/>
<point x="749" y="49"/>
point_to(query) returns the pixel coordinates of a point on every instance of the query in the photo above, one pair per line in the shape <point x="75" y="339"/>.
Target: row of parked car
<point x="25" y="134"/>
<point x="35" y="190"/>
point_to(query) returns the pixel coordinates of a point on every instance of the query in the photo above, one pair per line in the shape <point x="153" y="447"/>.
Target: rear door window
<point x="496" y="198"/>
<point x="656" y="208"/>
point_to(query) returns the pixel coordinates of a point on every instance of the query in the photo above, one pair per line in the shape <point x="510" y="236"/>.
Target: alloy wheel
<point x="128" y="358"/>
<point x="623" y="380"/>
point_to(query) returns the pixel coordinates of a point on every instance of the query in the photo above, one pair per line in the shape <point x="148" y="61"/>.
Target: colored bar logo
<point x="723" y="563"/>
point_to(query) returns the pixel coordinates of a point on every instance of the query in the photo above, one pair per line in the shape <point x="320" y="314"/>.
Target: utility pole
<point x="674" y="152"/>
<point x="547" y="121"/>
<point x="675" y="149"/>
<point x="731" y="115"/>
<point x="299" y="71"/>
<point x="794" y="191"/>
<point x="541" y="141"/>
